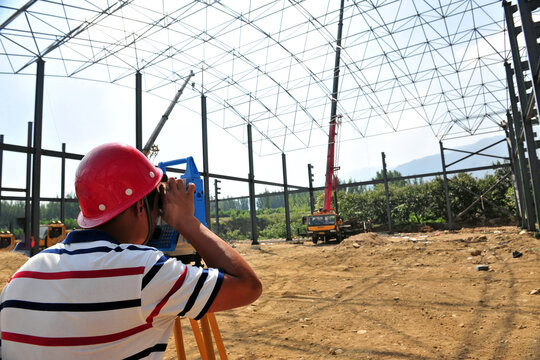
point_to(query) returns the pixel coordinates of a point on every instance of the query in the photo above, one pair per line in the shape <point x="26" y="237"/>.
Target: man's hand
<point x="178" y="205"/>
<point x="240" y="283"/>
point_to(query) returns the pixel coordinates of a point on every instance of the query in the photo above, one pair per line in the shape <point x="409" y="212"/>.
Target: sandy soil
<point x="379" y="296"/>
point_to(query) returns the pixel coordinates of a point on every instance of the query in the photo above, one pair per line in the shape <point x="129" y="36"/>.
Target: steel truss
<point x="404" y="64"/>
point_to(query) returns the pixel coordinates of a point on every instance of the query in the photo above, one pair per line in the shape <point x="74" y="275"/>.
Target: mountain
<point x="432" y="163"/>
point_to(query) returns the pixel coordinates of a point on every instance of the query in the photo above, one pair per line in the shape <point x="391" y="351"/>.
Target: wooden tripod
<point x="204" y="341"/>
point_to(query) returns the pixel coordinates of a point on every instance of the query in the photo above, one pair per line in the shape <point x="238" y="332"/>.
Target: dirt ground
<point x="380" y="296"/>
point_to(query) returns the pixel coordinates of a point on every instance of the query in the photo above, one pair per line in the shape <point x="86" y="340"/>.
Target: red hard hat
<point x="109" y="179"/>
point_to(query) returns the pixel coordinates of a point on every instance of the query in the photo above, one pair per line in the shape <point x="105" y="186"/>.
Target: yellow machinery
<point x="7" y="241"/>
<point x="49" y="235"/>
<point x="325" y="225"/>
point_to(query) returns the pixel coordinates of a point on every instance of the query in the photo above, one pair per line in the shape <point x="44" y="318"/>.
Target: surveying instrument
<point x="173" y="244"/>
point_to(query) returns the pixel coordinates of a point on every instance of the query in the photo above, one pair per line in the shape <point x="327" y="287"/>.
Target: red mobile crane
<point x="326" y="224"/>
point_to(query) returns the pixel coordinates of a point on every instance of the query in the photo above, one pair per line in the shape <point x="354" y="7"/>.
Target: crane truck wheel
<point x="314" y="238"/>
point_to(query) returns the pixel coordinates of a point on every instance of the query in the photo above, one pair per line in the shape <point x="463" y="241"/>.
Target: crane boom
<point x="327" y="224"/>
<point x="329" y="184"/>
<point x="146" y="149"/>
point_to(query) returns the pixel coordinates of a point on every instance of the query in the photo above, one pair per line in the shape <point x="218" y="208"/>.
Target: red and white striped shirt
<point x="90" y="297"/>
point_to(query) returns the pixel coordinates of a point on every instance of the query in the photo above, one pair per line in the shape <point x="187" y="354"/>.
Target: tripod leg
<point x="205" y="327"/>
<point x="217" y="336"/>
<point x="198" y="338"/>
<point x="179" y="340"/>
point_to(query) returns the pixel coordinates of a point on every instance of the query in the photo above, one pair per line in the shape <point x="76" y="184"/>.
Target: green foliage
<point x="413" y="202"/>
<point x="13" y="211"/>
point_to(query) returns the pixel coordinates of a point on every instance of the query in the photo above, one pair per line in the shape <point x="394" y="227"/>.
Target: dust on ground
<point x="380" y="296"/>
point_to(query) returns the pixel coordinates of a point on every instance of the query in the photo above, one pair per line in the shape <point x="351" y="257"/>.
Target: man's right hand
<point x="178" y="205"/>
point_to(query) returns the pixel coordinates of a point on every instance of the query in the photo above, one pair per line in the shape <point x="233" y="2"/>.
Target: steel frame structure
<point x="263" y="67"/>
<point x="404" y="64"/>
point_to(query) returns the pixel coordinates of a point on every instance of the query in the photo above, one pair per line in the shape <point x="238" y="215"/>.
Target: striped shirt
<point x="90" y="297"/>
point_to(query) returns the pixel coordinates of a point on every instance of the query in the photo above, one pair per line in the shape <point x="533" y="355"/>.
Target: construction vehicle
<point x="326" y="224"/>
<point x="49" y="235"/>
<point x="7" y="241"/>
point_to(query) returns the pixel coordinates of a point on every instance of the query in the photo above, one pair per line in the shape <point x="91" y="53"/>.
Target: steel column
<point x="523" y="176"/>
<point x="206" y="179"/>
<point x="1" y="168"/>
<point x="524" y="100"/>
<point x="217" y="192"/>
<point x="251" y="177"/>
<point x="446" y="192"/>
<point x="36" y="168"/>
<point x="27" y="214"/>
<point x="385" y="177"/>
<point x="286" y="197"/>
<point x="311" y="199"/>
<point x="529" y="28"/>
<point x="63" y="186"/>
<point x="138" y="110"/>
<point x="516" y="181"/>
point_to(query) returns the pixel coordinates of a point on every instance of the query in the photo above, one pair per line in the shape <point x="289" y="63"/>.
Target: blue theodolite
<point x="169" y="240"/>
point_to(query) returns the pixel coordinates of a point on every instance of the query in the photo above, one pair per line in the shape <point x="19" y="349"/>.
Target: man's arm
<point x="240" y="286"/>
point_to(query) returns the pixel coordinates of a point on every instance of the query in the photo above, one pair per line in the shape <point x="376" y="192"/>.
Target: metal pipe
<point x="17" y="13"/>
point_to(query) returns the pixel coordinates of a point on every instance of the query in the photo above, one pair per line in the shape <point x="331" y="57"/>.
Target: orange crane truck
<point x="326" y="224"/>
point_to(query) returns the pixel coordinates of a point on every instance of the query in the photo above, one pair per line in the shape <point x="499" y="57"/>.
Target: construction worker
<point x="103" y="294"/>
